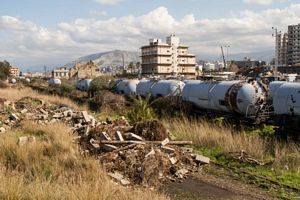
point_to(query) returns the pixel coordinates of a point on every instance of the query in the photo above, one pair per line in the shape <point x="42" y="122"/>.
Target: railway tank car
<point x="240" y="97"/>
<point x="54" y="82"/>
<point x="127" y="86"/>
<point x="160" y="88"/>
<point x="84" y="84"/>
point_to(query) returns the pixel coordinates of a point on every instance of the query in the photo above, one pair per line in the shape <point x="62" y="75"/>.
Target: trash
<point x="119" y="136"/>
<point x="133" y="136"/>
<point x="165" y="142"/>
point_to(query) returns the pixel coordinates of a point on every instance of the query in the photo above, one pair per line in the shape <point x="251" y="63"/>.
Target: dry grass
<point x="17" y="93"/>
<point x="205" y="134"/>
<point x="52" y="168"/>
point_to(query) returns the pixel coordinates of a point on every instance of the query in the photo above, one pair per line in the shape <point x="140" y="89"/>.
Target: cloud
<point x="108" y="2"/>
<point x="95" y="13"/>
<point x="27" y="43"/>
<point x="262" y="2"/>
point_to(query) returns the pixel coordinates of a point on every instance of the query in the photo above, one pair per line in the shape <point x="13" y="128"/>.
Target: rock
<point x="86" y="117"/>
<point x="2" y="130"/>
<point x="25" y="139"/>
<point x="116" y="175"/>
<point x="43" y="111"/>
<point x="58" y="115"/>
<point x="202" y="159"/>
<point x="173" y="160"/>
<point x="125" y="182"/>
<point x="68" y="113"/>
<point x="24" y="111"/>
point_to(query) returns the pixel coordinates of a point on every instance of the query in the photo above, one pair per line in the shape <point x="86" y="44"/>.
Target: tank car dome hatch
<point x="167" y="88"/>
<point x="286" y="98"/>
<point x="143" y="88"/>
<point x="127" y="86"/>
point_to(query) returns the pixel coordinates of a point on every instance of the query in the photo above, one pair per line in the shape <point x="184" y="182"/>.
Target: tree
<point x="4" y="70"/>
<point x="131" y="67"/>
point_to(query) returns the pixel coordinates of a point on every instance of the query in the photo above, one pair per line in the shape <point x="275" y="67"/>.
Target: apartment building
<point x="169" y="58"/>
<point x="61" y="72"/>
<point x="14" y="71"/>
<point x="282" y="45"/>
<point x="293" y="45"/>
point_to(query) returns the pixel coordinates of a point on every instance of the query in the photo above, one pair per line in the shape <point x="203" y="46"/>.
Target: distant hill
<point x="262" y="56"/>
<point x="109" y="58"/>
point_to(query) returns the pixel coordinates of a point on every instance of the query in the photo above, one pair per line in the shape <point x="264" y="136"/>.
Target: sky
<point x="54" y="32"/>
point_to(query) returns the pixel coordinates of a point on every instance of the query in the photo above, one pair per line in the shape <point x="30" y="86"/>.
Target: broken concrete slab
<point x="2" y="130"/>
<point x="202" y="159"/>
<point x="125" y="182"/>
<point x="165" y="142"/>
<point x="173" y="160"/>
<point x="119" y="136"/>
<point x="14" y="117"/>
<point x="86" y="117"/>
<point x="187" y="149"/>
<point x="25" y="139"/>
<point x="104" y="136"/>
<point x="24" y="111"/>
<point x="116" y="175"/>
<point x="152" y="152"/>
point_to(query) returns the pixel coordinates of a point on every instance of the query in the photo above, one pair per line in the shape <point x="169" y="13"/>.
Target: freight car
<point x="127" y="87"/>
<point x="239" y="97"/>
<point x="159" y="88"/>
<point x="285" y="99"/>
<point x="84" y="84"/>
<point x="54" y="82"/>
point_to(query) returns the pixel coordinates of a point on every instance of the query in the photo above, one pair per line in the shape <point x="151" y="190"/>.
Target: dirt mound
<point x="151" y="130"/>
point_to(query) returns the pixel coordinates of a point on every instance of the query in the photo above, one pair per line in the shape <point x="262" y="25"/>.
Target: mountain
<point x="109" y="58"/>
<point x="261" y="55"/>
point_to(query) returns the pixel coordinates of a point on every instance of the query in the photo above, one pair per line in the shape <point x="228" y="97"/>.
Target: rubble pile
<point x="144" y="153"/>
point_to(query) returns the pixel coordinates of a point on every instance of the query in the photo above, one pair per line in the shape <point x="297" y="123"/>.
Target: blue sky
<point x="53" y="32"/>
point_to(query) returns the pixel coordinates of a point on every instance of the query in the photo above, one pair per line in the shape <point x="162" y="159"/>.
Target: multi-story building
<point x="170" y="58"/>
<point x="85" y="70"/>
<point x="293" y="47"/>
<point x="14" y="71"/>
<point x="282" y="49"/>
<point x="61" y="72"/>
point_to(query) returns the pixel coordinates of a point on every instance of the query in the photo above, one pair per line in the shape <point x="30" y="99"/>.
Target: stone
<point x="2" y="130"/>
<point x="86" y="117"/>
<point x="25" y="139"/>
<point x="168" y="150"/>
<point x="57" y="115"/>
<point x="119" y="136"/>
<point x="43" y="111"/>
<point x="104" y="136"/>
<point x="125" y="182"/>
<point x="202" y="159"/>
<point x="173" y="160"/>
<point x="67" y="113"/>
<point x="24" y="111"/>
<point x="165" y="142"/>
<point x="116" y="175"/>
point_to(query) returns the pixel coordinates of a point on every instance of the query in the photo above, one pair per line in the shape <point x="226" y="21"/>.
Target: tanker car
<point x="54" y="82"/>
<point x="84" y="84"/>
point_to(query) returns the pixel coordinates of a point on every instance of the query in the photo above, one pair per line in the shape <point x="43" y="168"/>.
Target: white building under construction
<point x="167" y="59"/>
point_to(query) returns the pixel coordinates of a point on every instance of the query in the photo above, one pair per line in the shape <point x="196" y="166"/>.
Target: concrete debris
<point x="25" y="139"/>
<point x="2" y="130"/>
<point x="202" y="159"/>
<point x="143" y="154"/>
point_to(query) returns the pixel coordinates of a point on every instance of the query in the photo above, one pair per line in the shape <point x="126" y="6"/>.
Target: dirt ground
<point x="207" y="187"/>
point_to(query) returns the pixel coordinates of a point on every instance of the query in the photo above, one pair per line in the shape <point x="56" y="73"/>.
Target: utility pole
<point x="275" y="34"/>
<point x="227" y="63"/>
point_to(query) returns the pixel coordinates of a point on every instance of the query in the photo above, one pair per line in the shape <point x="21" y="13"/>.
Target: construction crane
<point x="223" y="57"/>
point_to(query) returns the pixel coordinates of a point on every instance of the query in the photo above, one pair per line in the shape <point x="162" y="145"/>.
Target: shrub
<point x="101" y="83"/>
<point x="4" y="70"/>
<point x="141" y="110"/>
<point x="66" y="88"/>
<point x="109" y="100"/>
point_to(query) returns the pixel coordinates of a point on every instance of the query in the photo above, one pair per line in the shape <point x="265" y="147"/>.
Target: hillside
<point x="109" y="58"/>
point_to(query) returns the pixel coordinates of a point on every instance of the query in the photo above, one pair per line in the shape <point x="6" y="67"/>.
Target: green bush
<point x="4" y="70"/>
<point x="66" y="88"/>
<point x="101" y="83"/>
<point x="141" y="111"/>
